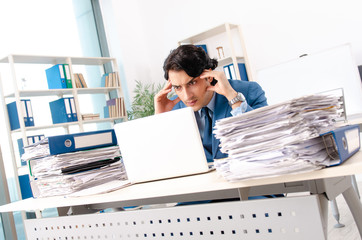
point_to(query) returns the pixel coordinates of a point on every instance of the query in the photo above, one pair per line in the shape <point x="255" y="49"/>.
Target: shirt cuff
<point x="239" y="110"/>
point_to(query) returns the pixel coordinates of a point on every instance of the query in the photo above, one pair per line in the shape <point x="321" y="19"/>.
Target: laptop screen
<point x="161" y="146"/>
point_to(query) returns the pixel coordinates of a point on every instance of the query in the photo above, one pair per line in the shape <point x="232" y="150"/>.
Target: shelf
<point x="46" y="126"/>
<point x="67" y="124"/>
<point x="96" y="90"/>
<point x="103" y="120"/>
<point x="64" y="91"/>
<point x="229" y="60"/>
<point x="56" y="60"/>
<point x="207" y="34"/>
<point x="60" y="92"/>
<point x="229" y="36"/>
<point x="41" y="93"/>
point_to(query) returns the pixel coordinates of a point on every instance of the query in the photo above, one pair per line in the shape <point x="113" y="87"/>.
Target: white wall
<point x="142" y="32"/>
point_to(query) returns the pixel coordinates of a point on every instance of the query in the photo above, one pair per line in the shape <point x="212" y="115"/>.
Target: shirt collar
<point x="211" y="104"/>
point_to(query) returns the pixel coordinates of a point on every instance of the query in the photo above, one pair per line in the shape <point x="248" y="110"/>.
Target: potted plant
<point x="142" y="104"/>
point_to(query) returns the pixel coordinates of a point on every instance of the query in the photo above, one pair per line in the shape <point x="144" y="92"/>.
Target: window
<point x="43" y="27"/>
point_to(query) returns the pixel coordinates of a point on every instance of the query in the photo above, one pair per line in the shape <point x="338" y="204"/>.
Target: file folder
<point x="14" y="116"/>
<point x="346" y="142"/>
<point x="231" y="74"/>
<point x="31" y="140"/>
<point x="68" y="79"/>
<point x="73" y="109"/>
<point x="29" y="113"/>
<point x="56" y="77"/>
<point x="25" y="188"/>
<point x="81" y="141"/>
<point x="61" y="111"/>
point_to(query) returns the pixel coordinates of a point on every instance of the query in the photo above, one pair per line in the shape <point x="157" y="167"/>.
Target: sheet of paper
<point x="278" y="139"/>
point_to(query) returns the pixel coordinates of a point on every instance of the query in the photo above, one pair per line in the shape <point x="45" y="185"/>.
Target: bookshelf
<point x="230" y="38"/>
<point x="14" y="67"/>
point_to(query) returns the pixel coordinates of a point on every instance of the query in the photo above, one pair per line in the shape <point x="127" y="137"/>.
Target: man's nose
<point x="188" y="93"/>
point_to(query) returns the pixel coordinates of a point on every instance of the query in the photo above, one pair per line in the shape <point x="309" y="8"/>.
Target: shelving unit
<point x="230" y="37"/>
<point x="41" y="93"/>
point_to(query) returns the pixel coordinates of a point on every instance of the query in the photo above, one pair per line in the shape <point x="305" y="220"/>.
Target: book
<point x="90" y="116"/>
<point x="110" y="80"/>
<point x="14" y="115"/>
<point x="116" y="107"/>
<point x="56" y="77"/>
<point x="77" y="82"/>
<point x="82" y="81"/>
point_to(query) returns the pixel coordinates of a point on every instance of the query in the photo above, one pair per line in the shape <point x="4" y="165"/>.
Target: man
<point x="190" y="72"/>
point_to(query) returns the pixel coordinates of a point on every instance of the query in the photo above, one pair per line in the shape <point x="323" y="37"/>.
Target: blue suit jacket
<point x="254" y="96"/>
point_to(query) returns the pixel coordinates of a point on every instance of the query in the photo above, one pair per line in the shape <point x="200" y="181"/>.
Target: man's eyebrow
<point x="192" y="79"/>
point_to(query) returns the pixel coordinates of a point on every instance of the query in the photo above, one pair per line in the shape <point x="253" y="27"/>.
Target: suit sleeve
<point x="255" y="97"/>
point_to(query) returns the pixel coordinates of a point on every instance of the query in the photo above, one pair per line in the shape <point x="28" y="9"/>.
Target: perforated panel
<point x="282" y="218"/>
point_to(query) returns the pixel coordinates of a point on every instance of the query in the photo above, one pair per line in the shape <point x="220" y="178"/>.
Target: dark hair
<point x="193" y="60"/>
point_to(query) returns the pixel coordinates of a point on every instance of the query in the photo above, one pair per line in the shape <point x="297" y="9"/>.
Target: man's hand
<point x="222" y="86"/>
<point x="162" y="103"/>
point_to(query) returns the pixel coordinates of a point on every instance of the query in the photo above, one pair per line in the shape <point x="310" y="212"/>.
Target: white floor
<point x="350" y="231"/>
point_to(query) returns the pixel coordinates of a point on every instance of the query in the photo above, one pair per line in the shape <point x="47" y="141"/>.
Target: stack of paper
<point x="277" y="139"/>
<point x="67" y="173"/>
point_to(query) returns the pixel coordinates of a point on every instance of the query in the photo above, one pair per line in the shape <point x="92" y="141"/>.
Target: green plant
<point x="142" y="104"/>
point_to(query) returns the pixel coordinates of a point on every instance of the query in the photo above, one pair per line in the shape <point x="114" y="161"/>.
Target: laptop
<point x="161" y="146"/>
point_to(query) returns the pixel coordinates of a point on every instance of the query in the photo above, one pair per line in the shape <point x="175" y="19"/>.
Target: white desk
<point x="324" y="184"/>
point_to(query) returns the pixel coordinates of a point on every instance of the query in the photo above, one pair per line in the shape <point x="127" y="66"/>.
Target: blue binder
<point x="346" y="141"/>
<point x="81" y="141"/>
<point x="73" y="109"/>
<point x="31" y="140"/>
<point x="56" y="77"/>
<point x="61" y="111"/>
<point x="25" y="188"/>
<point x="230" y="72"/>
<point x="14" y="116"/>
<point x="203" y="46"/>
<point x="29" y="113"/>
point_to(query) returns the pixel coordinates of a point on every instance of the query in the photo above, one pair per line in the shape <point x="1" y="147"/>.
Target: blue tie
<point x="207" y="139"/>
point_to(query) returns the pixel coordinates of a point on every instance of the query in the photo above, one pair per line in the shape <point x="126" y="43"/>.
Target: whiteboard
<point x="330" y="69"/>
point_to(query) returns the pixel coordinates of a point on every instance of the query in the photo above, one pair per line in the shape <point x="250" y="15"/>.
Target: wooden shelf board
<point x="59" y="92"/>
<point x="207" y="34"/>
<point x="56" y="60"/>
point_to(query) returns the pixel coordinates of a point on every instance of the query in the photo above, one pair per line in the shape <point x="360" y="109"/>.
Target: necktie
<point x="207" y="139"/>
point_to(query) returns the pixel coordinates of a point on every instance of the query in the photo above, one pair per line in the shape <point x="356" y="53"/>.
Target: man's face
<point x="191" y="91"/>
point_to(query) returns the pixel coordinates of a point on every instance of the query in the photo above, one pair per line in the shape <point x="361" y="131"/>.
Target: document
<point x="68" y="173"/>
<point x="279" y="139"/>
<point x="61" y="144"/>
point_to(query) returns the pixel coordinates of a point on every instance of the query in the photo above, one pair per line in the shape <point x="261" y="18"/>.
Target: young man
<point x="190" y="72"/>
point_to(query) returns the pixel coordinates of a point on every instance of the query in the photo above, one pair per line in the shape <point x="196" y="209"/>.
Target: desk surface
<point x="181" y="186"/>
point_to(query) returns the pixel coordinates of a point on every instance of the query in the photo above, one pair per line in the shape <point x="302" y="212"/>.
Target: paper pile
<point x="277" y="139"/>
<point x="64" y="174"/>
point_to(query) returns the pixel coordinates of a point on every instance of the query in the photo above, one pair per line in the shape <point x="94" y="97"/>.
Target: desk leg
<point x="335" y="213"/>
<point x="355" y="206"/>
<point x="244" y="193"/>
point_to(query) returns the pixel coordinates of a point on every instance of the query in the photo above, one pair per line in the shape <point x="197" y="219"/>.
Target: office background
<point x="141" y="33"/>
